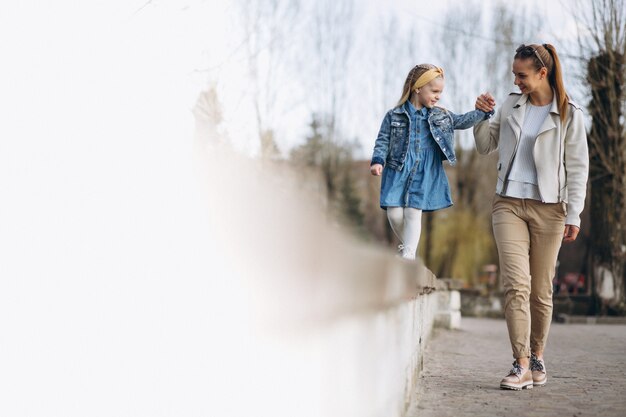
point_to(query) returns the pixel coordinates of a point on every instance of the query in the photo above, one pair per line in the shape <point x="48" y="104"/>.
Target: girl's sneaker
<point x="538" y="369"/>
<point x="518" y="378"/>
<point x="406" y="252"/>
<point x="400" y="250"/>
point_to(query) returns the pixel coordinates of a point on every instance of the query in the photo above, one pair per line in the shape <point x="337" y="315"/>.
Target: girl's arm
<point x="469" y="119"/>
<point x="381" y="147"/>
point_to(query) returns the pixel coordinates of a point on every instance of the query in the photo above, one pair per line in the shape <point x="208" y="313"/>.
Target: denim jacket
<point x="392" y="143"/>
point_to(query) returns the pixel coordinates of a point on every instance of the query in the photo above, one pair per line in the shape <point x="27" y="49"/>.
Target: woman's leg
<point x="547" y="222"/>
<point x="512" y="237"/>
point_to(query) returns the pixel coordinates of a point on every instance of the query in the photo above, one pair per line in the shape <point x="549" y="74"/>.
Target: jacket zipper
<point x="508" y="170"/>
<point x="409" y="140"/>
<point x="561" y="161"/>
<point x="536" y="172"/>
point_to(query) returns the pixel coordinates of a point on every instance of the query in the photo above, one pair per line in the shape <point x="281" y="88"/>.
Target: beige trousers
<point x="528" y="234"/>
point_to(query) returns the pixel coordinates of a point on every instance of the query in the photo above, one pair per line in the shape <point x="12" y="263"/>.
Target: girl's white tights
<point x="406" y="223"/>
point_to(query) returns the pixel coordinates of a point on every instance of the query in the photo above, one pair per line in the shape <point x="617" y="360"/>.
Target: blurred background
<point x="121" y="281"/>
<point x="306" y="84"/>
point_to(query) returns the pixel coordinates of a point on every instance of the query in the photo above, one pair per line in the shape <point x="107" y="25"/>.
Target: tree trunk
<point x="428" y="239"/>
<point x="607" y="145"/>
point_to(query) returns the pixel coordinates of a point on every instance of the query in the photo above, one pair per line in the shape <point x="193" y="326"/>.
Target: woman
<point x="542" y="180"/>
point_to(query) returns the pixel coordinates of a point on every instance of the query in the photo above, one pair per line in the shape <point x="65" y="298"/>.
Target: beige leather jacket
<point x="560" y="153"/>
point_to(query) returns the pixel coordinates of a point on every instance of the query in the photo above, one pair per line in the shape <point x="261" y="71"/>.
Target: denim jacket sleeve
<point x="469" y="119"/>
<point x="381" y="147"/>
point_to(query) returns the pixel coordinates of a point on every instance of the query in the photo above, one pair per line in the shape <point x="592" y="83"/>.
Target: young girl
<point x="414" y="139"/>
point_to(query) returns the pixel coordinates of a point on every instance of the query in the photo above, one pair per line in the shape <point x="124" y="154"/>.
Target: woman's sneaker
<point x="518" y="378"/>
<point x="538" y="369"/>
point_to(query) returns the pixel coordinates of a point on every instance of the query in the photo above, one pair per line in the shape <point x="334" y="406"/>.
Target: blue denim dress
<point x="422" y="183"/>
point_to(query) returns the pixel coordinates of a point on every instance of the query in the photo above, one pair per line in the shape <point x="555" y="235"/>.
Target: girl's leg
<point x="395" y="215"/>
<point x="406" y="223"/>
<point x="412" y="231"/>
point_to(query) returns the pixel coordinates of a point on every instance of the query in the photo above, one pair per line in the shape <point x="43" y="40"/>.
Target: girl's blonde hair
<point x="411" y="78"/>
<point x="545" y="56"/>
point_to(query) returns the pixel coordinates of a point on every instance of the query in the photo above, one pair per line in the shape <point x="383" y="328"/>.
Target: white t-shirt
<point x="523" y="175"/>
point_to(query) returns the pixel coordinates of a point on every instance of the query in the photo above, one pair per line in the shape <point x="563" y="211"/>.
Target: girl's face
<point x="527" y="78"/>
<point x="429" y="94"/>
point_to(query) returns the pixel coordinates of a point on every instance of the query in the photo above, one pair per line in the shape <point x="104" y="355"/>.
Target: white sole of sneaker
<point x="516" y="388"/>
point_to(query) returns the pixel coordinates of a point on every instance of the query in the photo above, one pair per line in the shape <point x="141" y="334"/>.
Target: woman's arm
<point x="381" y="147"/>
<point x="576" y="166"/>
<point x="487" y="132"/>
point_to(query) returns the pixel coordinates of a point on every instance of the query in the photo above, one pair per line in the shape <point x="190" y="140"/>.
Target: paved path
<point x="586" y="366"/>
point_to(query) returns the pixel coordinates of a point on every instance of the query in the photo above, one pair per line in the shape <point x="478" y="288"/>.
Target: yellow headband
<point x="427" y="77"/>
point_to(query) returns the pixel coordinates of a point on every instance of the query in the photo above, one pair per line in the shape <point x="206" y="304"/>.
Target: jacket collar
<point x="523" y="100"/>
<point x="403" y="109"/>
<point x="516" y="118"/>
<point x="399" y="109"/>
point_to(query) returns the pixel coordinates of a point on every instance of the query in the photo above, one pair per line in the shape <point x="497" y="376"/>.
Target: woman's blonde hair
<point x="413" y="75"/>
<point x="545" y="56"/>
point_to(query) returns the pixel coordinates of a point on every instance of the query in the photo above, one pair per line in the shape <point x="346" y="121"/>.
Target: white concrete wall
<point x="372" y="360"/>
<point x="363" y="363"/>
<point x="307" y="321"/>
<point x="449" y="309"/>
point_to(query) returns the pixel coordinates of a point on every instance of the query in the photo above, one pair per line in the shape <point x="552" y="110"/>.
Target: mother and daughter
<point x="542" y="173"/>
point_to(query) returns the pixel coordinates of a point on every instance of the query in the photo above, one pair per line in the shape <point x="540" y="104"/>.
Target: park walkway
<point x="462" y="370"/>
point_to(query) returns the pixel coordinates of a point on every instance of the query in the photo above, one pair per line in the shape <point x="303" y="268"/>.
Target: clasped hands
<point x="485" y="102"/>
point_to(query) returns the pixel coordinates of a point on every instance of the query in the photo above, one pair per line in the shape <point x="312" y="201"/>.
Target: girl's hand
<point x="376" y="169"/>
<point x="570" y="233"/>
<point x="485" y="102"/>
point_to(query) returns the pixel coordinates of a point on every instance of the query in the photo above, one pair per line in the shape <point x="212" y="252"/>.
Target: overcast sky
<point x="137" y="64"/>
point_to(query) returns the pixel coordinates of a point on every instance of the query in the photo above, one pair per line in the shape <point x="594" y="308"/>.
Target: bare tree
<point x="604" y="39"/>
<point x="208" y="114"/>
<point x="345" y="203"/>
<point x="332" y="31"/>
<point x="474" y="62"/>
<point x="461" y="53"/>
<point x="267" y="26"/>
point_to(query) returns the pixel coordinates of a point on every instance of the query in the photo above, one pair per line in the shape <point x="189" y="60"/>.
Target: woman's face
<point x="429" y="94"/>
<point x="527" y="78"/>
